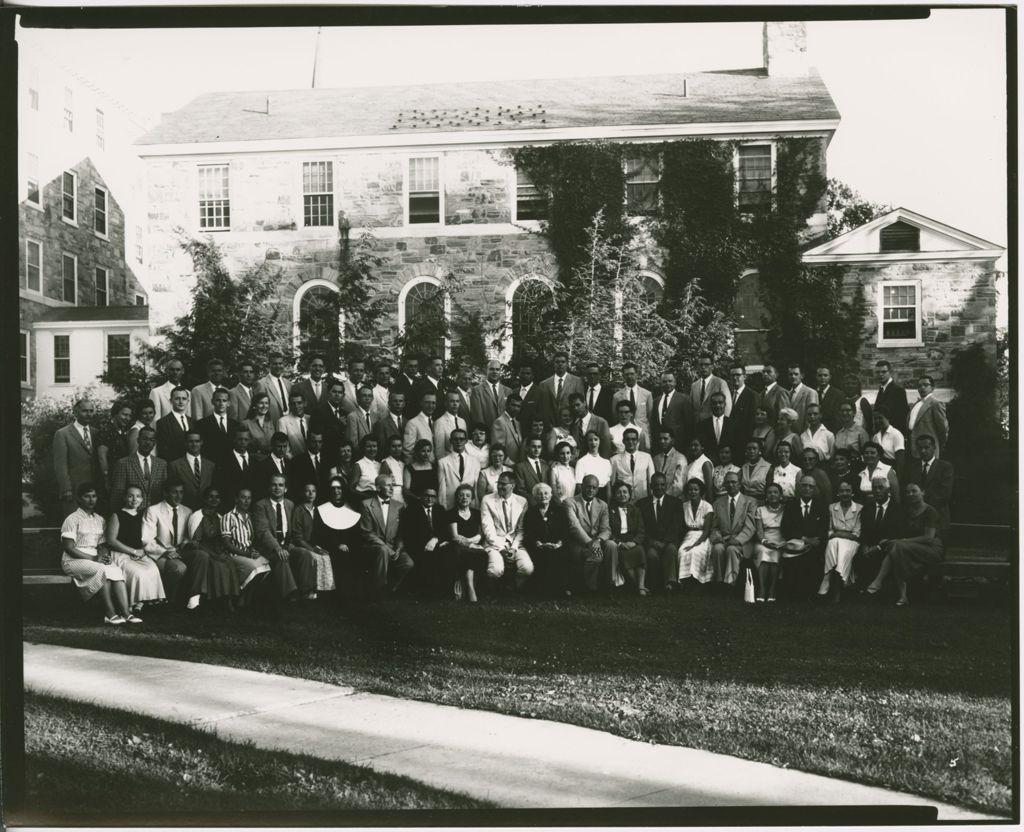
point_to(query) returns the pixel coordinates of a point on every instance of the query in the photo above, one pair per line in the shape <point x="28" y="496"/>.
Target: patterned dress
<point x="222" y="577"/>
<point x="87" y="531"/>
<point x="695" y="562"/>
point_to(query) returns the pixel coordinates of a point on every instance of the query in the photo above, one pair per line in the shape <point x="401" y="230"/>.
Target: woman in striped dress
<point x="91" y="570"/>
<point x="204" y="532"/>
<point x="236" y="532"/>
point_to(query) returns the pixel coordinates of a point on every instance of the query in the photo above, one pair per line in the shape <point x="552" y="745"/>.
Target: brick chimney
<point x="785" y="48"/>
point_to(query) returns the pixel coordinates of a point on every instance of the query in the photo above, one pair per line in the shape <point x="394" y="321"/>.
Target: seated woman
<point x="421" y="473"/>
<point x="874" y="467"/>
<point x="477" y="446"/>
<point x="91" y="571"/>
<point x="561" y="432"/>
<point x="695" y="550"/>
<point x="919" y="546"/>
<point x="784" y="432"/>
<point x="764" y="431"/>
<point x="260" y="425"/>
<point x="561" y="476"/>
<point x="487" y="482"/>
<point x="300" y="529"/>
<point x="627" y="528"/>
<point x="724" y="466"/>
<point x="545" y="535"/>
<point x="204" y="532"/>
<point x="336" y="532"/>
<point x="124" y="541"/>
<point x="465" y="552"/>
<point x="768" y="534"/>
<point x="345" y="467"/>
<point x="843" y="542"/>
<point x="236" y="534"/>
<point x="783" y="473"/>
<point x="811" y="467"/>
<point x="366" y="469"/>
<point x="701" y="469"/>
<point x="754" y="472"/>
<point x="592" y="463"/>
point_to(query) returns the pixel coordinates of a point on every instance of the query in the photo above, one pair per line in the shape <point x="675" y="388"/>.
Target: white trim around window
<point x="106" y="347"/>
<point x="29" y="242"/>
<point x="736" y="167"/>
<point x="102" y="275"/>
<point x="32" y="182"/>
<point x="69" y="199"/>
<point x="407" y="191"/>
<point x="504" y="354"/>
<point x="64" y="260"/>
<point x="62" y="377"/>
<point x="213" y="197"/>
<point x="101" y="216"/>
<point x="25" y="354"/>
<point x="404" y="293"/>
<point x="903" y="297"/>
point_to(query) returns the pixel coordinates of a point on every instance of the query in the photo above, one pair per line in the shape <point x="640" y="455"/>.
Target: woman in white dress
<point x="783" y="473"/>
<point x="487" y="482"/>
<point x="593" y="464"/>
<point x="477" y="446"/>
<point x="873" y="468"/>
<point x="695" y="550"/>
<point x="701" y="468"/>
<point x="768" y="533"/>
<point x="561" y="476"/>
<point x="843" y="542"/>
<point x="92" y="570"/>
<point x="124" y="541"/>
<point x="366" y="469"/>
<point x="562" y="432"/>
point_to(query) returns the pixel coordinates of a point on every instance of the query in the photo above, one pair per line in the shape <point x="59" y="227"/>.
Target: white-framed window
<point x="531" y="202"/>
<point x="899" y="313"/>
<point x="62" y="359"/>
<point x="69" y="197"/>
<point x="34" y="266"/>
<point x="69" y="110"/>
<point x="100" y="197"/>
<point x="69" y="272"/>
<point x="140" y="300"/>
<point x="424" y="190"/>
<point x="33" y="87"/>
<point x="643" y="180"/>
<point x="755" y="170"/>
<point x="138" y="243"/>
<point x="317" y="194"/>
<point x="419" y="302"/>
<point x="25" y="355"/>
<point x="119" y="351"/>
<point x="33" y="195"/>
<point x="101" y="132"/>
<point x="102" y="286"/>
<point x="214" y="197"/>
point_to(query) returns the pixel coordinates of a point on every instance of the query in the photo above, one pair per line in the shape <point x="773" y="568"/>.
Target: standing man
<point x="174" y="370"/>
<point x="194" y="471"/>
<point x="292" y="569"/>
<point x="465" y="388"/>
<point x="295" y="424"/>
<point x="382" y="546"/>
<point x="309" y="467"/>
<point x="218" y="428"/>
<point x="446" y="423"/>
<point x="429" y="382"/>
<point x="202" y="394"/>
<point x="456" y="469"/>
<point x="935" y="476"/>
<point x="359" y="423"/>
<point x="382" y="388"/>
<point x="276" y="463"/>
<point x="587" y="421"/>
<point x="392" y="425"/>
<point x="356" y="374"/>
<point x="143" y="470"/>
<point x="556" y="389"/>
<point x="718" y="429"/>
<point x="407" y="381"/>
<point x="617" y="432"/>
<point x="236" y="472"/>
<point x="673" y="411"/>
<point x="891" y="397"/>
<point x="927" y="418"/>
<point x="776" y="397"/>
<point x="670" y="463"/>
<point x="633" y="466"/>
<point x="241" y="393"/>
<point x="818" y="436"/>
<point x="800" y="396"/>
<point x="314" y="388"/>
<point x="329" y="421"/>
<point x="744" y="402"/>
<point x="829" y="398"/>
<point x="420" y="426"/>
<point x="703" y="388"/>
<point x="171" y="429"/>
<point x="639" y="397"/>
<point x="507" y="431"/>
<point x="488" y="398"/>
<point x="275" y="385"/>
<point x="501" y="524"/>
<point x="529" y="395"/>
<point x="597" y="395"/>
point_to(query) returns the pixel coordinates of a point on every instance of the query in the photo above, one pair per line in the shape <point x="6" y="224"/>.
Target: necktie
<point x="223" y="429"/>
<point x="279" y="518"/>
<point x="195" y="466"/>
<point x="245" y="463"/>
<point x="494" y="387"/>
<point x="367" y="414"/>
<point x="430" y="519"/>
<point x="184" y="424"/>
<point x="588" y="508"/>
<point x="632" y="464"/>
<point x="632" y="397"/>
<point x="807" y="509"/>
<point x="430" y="422"/>
<point x="732" y="510"/>
<point x="508" y="519"/>
<point x="536" y="467"/>
<point x="284" y="400"/>
<point x="703" y="388"/>
<point x="145" y="467"/>
<point x="558" y="388"/>
<point x="174" y="526"/>
<point x="316" y="390"/>
<point x="657" y="509"/>
<point x="302" y="427"/>
<point x="88" y="441"/>
<point x="456" y="420"/>
<point x="515" y="430"/>
<point x="664" y="463"/>
<point x="664" y="408"/>
<point x="462" y="467"/>
<point x="398" y="422"/>
<point x="316" y="464"/>
<point x="924" y="469"/>
<point x="718" y="429"/>
<point x="880" y="513"/>
<point x="279" y="462"/>
<point x="590" y="401"/>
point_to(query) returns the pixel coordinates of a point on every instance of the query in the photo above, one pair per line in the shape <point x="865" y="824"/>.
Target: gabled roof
<point x="424" y="109"/>
<point x="938" y="241"/>
<point x="80" y="314"/>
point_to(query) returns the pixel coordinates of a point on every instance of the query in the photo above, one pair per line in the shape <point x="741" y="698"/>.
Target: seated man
<point x="423" y="530"/>
<point x="663" y="523"/>
<point x="382" y="546"/>
<point x="292" y="570"/>
<point x="880" y="520"/>
<point x="805" y="524"/>
<point x="591" y="534"/>
<point x="165" y="539"/>
<point x="501" y="523"/>
<point x="732" y="540"/>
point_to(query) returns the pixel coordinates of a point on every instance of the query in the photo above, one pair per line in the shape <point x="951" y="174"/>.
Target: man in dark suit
<point x="236" y="472"/>
<point x="184" y="469"/>
<point x="309" y="467"/>
<point x="422" y="530"/>
<point x="775" y="396"/>
<point x="391" y="425"/>
<point x="329" y="421"/>
<point x="74" y="457"/>
<point x="464" y="387"/>
<point x="880" y="520"/>
<point x="717" y="430"/>
<point x="935" y="476"/>
<point x="556" y="388"/>
<point x="314" y="388"/>
<point x="432" y="381"/>
<point x="382" y="547"/>
<point x="531" y="470"/>
<point x="585" y="422"/>
<point x="829" y="399"/>
<point x="276" y="463"/>
<point x="597" y="394"/>
<point x="663" y="532"/>
<point x="143" y="470"/>
<point x="673" y="411"/>
<point x="217" y="428"/>
<point x="805" y="519"/>
<point x="891" y="397"/>
<point x="745" y="401"/>
<point x="529" y="394"/>
<point x="171" y="429"/>
<point x="291" y="568"/>
<point x="406" y="383"/>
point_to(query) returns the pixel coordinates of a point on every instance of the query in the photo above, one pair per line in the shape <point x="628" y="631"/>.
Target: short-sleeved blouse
<point x="87" y="530"/>
<point x="369" y="469"/>
<point x="696" y="469"/>
<point x="467" y="527"/>
<point x="881" y="470"/>
<point x="129" y="529"/>
<point x="718" y="475"/>
<point x="786" y="479"/>
<point x="563" y="482"/>
<point x="482" y="455"/>
<point x="771" y="518"/>
<point x="597" y="466"/>
<point x="695" y="521"/>
<point x="848" y="522"/>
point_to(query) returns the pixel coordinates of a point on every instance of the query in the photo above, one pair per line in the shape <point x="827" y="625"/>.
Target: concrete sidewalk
<point x="514" y="762"/>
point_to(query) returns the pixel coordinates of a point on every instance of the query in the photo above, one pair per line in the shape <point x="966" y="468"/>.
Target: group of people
<point x="282" y="489"/>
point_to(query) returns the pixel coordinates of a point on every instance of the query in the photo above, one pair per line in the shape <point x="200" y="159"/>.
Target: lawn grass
<point x="85" y="759"/>
<point x="916" y="699"/>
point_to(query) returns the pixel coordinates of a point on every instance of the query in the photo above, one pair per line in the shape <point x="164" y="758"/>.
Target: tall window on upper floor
<point x="99" y="213"/>
<point x="33" y="266"/>
<point x="119" y="355"/>
<point x="69" y="110"/>
<point x="102" y="286"/>
<point x="754" y="177"/>
<point x="531" y="202"/>
<point x="69" y="275"/>
<point x="900" y="236"/>
<point x="214" y="197"/>
<point x="101" y="141"/>
<point x="425" y="190"/>
<point x="643" y="176"/>
<point x="62" y="359"/>
<point x="32" y="195"/>
<point x="69" y="197"/>
<point x="317" y="193"/>
<point x="33" y="87"/>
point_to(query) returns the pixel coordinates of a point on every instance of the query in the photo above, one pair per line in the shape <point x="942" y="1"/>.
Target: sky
<point x="923" y="102"/>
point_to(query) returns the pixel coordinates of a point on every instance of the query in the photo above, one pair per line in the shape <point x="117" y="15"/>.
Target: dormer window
<point x="900" y="236"/>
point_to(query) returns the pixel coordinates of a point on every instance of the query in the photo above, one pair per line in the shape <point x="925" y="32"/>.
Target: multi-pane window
<point x="62" y="359"/>
<point x="23" y="355"/>
<point x="754" y="177"/>
<point x="69" y="198"/>
<point x="900" y="312"/>
<point x="32" y="179"/>
<point x="33" y="88"/>
<point x="424" y="190"/>
<point x="900" y="236"/>
<point x="642" y="180"/>
<point x="531" y="203"/>
<point x="100" y="211"/>
<point x="214" y="200"/>
<point x="140" y="300"/>
<point x="101" y="141"/>
<point x="102" y="286"/>
<point x="118" y="352"/>
<point x="33" y="266"/>
<point x="70" y="275"/>
<point x="69" y="110"/>
<point x="317" y="193"/>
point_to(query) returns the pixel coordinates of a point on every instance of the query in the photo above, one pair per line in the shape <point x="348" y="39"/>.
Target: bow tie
<point x="385" y="502"/>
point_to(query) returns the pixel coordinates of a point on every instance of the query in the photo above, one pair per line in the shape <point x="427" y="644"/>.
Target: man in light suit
<point x="218" y="428"/>
<point x="291" y="568"/>
<point x="704" y="386"/>
<point x="355" y="377"/>
<point x="391" y="425"/>
<point x="184" y="569"/>
<point x="202" y="394"/>
<point x="174" y="370"/>
<point x="359" y="423"/>
<point x="464" y="387"/>
<point x="633" y="466"/>
<point x="670" y="463"/>
<point x="455" y="469"/>
<point x="672" y="411"/>
<point x="184" y="468"/>
<point x="800" y="396"/>
<point x="171" y="429"/>
<point x="529" y="394"/>
<point x="275" y="385"/>
<point x="507" y="431"/>
<point x="732" y="539"/>
<point x="744" y="402"/>
<point x="934" y="475"/>
<point x="421" y="426"/>
<point x="927" y="418"/>
<point x="591" y="545"/>
<point x="531" y="470"/>
<point x="143" y="469"/>
<point x="556" y="389"/>
<point x="597" y="394"/>
<point x="382" y="545"/>
<point x="295" y="423"/>
<point x="74" y="457"/>
<point x="241" y="393"/>
<point x="587" y="422"/>
<point x="382" y="388"/>
<point x="501" y="524"/>
<point x="446" y="423"/>
<point x="639" y="397"/>
<point x="775" y="396"/>
<point x="314" y="388"/>
<point x="487" y="401"/>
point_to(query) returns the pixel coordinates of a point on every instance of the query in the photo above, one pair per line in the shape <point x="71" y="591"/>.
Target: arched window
<point x="531" y="297"/>
<point x="653" y="287"/>
<point x="424" y="316"/>
<point x="317" y="320"/>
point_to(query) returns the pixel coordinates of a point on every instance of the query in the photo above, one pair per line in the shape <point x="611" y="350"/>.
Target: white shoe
<point x="115" y="620"/>
<point x="133" y="619"/>
<point x="193" y="602"/>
